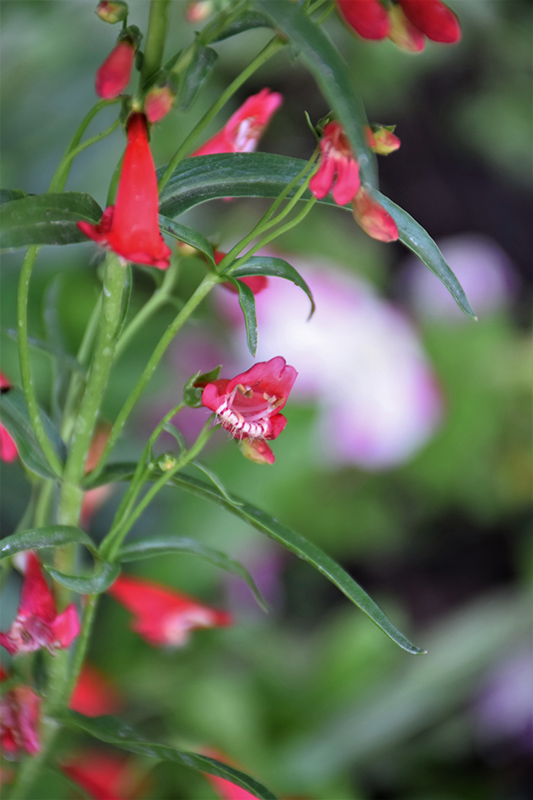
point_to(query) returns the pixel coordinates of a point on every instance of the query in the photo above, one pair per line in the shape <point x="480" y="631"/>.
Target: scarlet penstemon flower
<point x="94" y="695"/>
<point x="37" y="623"/>
<point x="249" y="405"/>
<point x="131" y="228"/>
<point x="8" y="448"/>
<point x="242" y="131"/>
<point x="338" y="168"/>
<point x="434" y="19"/>
<point x="20" y="711"/>
<point x="163" y="616"/>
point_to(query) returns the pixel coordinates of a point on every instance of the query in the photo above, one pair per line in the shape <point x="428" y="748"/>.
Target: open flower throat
<point x="248" y="406"/>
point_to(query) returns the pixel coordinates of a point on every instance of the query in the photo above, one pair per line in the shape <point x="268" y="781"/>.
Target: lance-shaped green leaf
<point x="284" y="536"/>
<point x="47" y="536"/>
<point x="6" y="195"/>
<point x="66" y="359"/>
<point x="417" y="239"/>
<point x="274" y="268"/>
<point x="101" y="579"/>
<point x="112" y="473"/>
<point x="189" y="236"/>
<point x="303" y="549"/>
<point x="167" y="545"/>
<point x="14" y="416"/>
<point x="247" y="304"/>
<point x="46" y="219"/>
<point x="331" y="73"/>
<point x="245" y="22"/>
<point x="194" y="77"/>
<point x="113" y="731"/>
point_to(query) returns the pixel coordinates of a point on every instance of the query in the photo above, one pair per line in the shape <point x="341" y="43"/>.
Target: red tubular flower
<point x="338" y="168"/>
<point x="131" y="228"/>
<point x="368" y="18"/>
<point x="104" y="775"/>
<point x="37" y="623"/>
<point x="114" y="74"/>
<point x="433" y="18"/>
<point x="242" y="131"/>
<point x="373" y="218"/>
<point x="404" y="33"/>
<point x="8" y="448"/>
<point x="19" y="720"/>
<point x="248" y="406"/>
<point x="94" y="695"/>
<point x="164" y="616"/>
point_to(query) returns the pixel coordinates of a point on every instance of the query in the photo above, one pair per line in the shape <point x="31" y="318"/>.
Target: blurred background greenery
<point x="312" y="698"/>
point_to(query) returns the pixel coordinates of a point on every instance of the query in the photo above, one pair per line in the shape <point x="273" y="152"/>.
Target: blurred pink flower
<point x="94" y="695"/>
<point x="358" y="357"/>
<point x="8" y="448"/>
<point x="20" y="711"/>
<point x="37" y="623"/>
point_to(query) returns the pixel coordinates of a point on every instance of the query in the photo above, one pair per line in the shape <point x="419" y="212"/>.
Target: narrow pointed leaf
<point x="275" y="268"/>
<point x="113" y="473"/>
<point x="245" y="22"/>
<point x="247" y="304"/>
<point x="303" y="549"/>
<point x="14" y="416"/>
<point x="189" y="236"/>
<point x="47" y="536"/>
<point x="167" y="545"/>
<point x="331" y="73"/>
<point x="196" y="74"/>
<point x="417" y="239"/>
<point x="103" y="576"/>
<point x="46" y="219"/>
<point x="113" y="731"/>
<point x="6" y="195"/>
<point x="56" y="352"/>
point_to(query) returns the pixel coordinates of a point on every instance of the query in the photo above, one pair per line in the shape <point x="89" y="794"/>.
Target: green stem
<point x="71" y="155"/>
<point x="284" y="228"/>
<point x="25" y="365"/>
<point x="272" y="47"/>
<point x="194" y="301"/>
<point x="155" y="39"/>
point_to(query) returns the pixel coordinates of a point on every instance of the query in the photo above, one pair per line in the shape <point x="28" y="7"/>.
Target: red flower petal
<point x="368" y="18"/>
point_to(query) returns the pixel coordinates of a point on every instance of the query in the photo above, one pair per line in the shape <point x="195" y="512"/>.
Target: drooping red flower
<point x="94" y="695"/>
<point x="20" y="711"/>
<point x="104" y="775"/>
<point x="37" y="623"/>
<point x="373" y="218"/>
<point x="434" y="19"/>
<point x="338" y="168"/>
<point x="8" y="448"/>
<point x="163" y="616"/>
<point x="114" y="74"/>
<point x="368" y="18"/>
<point x="257" y="283"/>
<point x="249" y="405"/>
<point x="130" y="228"/>
<point x="242" y="131"/>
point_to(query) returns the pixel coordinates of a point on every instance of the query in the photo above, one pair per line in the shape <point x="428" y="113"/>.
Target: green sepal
<point x="113" y="731"/>
<point x="193" y="389"/>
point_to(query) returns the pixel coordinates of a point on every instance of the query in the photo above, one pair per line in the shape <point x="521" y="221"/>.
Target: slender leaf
<point x="247" y="304"/>
<point x="417" y="239"/>
<point x="103" y="576"/>
<point x="275" y="268"/>
<point x="196" y="74"/>
<point x="112" y="473"/>
<point x="113" y="731"/>
<point x="6" y="195"/>
<point x="331" y="73"/>
<point x="46" y="219"/>
<point x="56" y="352"/>
<point x="189" y="236"/>
<point x="292" y="541"/>
<point x="167" y="545"/>
<point x="48" y="536"/>
<point x="214" y="479"/>
<point x="245" y="22"/>
<point x="14" y="416"/>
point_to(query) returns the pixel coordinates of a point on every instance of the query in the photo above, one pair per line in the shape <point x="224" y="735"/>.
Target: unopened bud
<point x="166" y="462"/>
<point x="404" y="33"/>
<point x="187" y="250"/>
<point x="382" y="140"/>
<point x="198" y="10"/>
<point x="373" y="218"/>
<point x="257" y="450"/>
<point x="158" y="102"/>
<point x="112" y="10"/>
<point x="114" y="74"/>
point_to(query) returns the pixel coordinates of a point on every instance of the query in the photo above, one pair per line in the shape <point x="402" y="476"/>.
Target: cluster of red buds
<point x="406" y="22"/>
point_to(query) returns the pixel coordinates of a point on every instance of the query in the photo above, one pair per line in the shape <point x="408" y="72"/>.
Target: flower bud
<point x="257" y="450"/>
<point x="404" y="33"/>
<point x="434" y="19"/>
<point x="166" y="462"/>
<point x="114" y="74"/>
<point x="158" y="102"/>
<point x="198" y="10"/>
<point x="368" y="18"/>
<point x="382" y="140"/>
<point x="112" y="10"/>
<point x="373" y="218"/>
